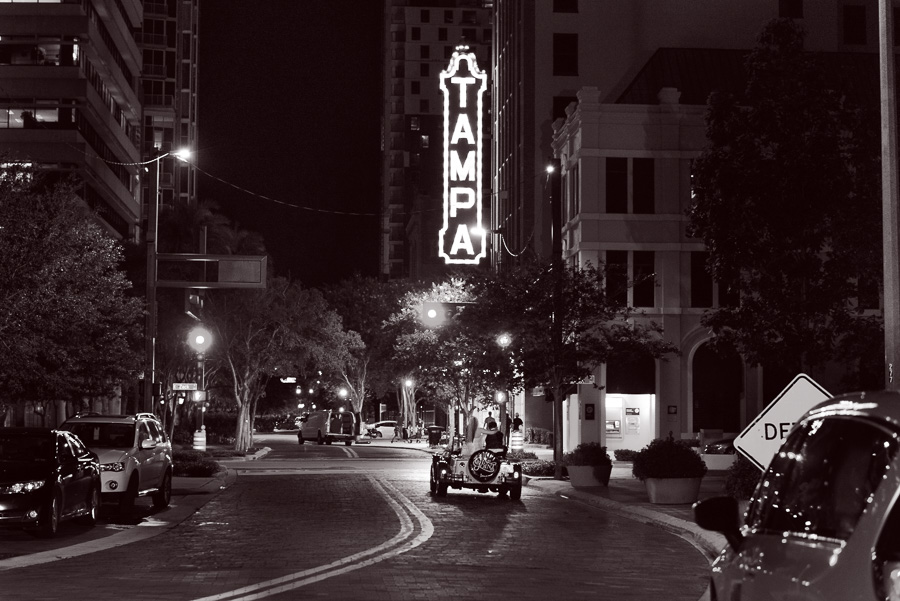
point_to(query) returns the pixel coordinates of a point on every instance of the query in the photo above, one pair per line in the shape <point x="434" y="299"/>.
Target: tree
<point x="68" y="328"/>
<point x="786" y="199"/>
<point x="562" y="325"/>
<point x="258" y="331"/>
<point x="365" y="306"/>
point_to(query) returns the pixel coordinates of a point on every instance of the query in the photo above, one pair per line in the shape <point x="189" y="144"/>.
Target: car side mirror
<point x="148" y="443"/>
<point x="720" y="514"/>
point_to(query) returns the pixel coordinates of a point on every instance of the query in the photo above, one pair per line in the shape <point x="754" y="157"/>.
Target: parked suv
<point x="135" y="456"/>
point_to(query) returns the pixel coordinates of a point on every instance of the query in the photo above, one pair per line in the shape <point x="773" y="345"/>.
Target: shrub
<point x="265" y="423"/>
<point x="538" y="467"/>
<point x="587" y="453"/>
<point x="520" y="455"/>
<point x="667" y="458"/>
<point x="193" y="463"/>
<point x="742" y="478"/>
<point x="624" y="454"/>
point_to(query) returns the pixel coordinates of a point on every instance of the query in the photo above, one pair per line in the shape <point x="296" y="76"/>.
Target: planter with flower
<point x="671" y="471"/>
<point x="588" y="465"/>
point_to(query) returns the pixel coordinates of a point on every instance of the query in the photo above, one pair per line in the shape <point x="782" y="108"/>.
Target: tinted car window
<point x="154" y="432"/>
<point x="18" y="447"/>
<point x="63" y="450"/>
<point x="822" y="479"/>
<point x="98" y="435"/>
<point x="78" y="447"/>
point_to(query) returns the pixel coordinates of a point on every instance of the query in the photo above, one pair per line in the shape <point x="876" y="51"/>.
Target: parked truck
<point x="327" y="426"/>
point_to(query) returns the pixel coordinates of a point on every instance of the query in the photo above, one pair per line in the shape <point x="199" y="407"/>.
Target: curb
<point x="709" y="543"/>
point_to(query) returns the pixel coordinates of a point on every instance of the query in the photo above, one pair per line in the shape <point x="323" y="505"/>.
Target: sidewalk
<point x="625" y="495"/>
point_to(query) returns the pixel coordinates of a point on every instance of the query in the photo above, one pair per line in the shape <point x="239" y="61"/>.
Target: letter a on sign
<point x="462" y="239"/>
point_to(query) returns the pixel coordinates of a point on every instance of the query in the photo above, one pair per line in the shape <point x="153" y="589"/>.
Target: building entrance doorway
<point x="718" y="385"/>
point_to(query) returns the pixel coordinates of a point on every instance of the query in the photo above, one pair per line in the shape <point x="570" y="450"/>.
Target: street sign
<point x="761" y="439"/>
<point x="184" y="386"/>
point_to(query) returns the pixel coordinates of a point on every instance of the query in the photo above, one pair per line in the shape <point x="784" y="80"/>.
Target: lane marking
<point x="400" y="543"/>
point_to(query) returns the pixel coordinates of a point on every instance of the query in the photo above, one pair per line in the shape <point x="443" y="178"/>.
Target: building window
<point x="448" y="16"/>
<point x="415" y="87"/>
<point x="442" y="34"/>
<point x="415" y="34"/>
<point x="854" y="24"/>
<point x="643" y="186"/>
<point x="425" y="16"/>
<point x="425" y="52"/>
<point x="559" y="106"/>
<point x="424" y="141"/>
<point x="468" y="17"/>
<point x="414" y="123"/>
<point x="424" y="71"/>
<point x="617" y="276"/>
<point x="616" y="185"/>
<point x="644" y="276"/>
<point x="790" y="9"/>
<point x="565" y="54"/>
<point x="565" y="6"/>
<point x="701" y="281"/>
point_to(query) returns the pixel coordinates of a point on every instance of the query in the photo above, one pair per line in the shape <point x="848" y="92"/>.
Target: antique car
<point x="484" y="470"/>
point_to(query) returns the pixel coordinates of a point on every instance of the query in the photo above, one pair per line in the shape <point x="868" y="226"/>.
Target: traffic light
<point x="193" y="303"/>
<point x="437" y="313"/>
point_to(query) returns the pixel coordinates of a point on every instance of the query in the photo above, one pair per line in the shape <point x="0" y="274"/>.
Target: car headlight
<point x="21" y="487"/>
<point x="112" y="467"/>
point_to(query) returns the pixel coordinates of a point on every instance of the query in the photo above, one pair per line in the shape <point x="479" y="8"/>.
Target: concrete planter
<point x="589" y="475"/>
<point x="718" y="462"/>
<point x="673" y="491"/>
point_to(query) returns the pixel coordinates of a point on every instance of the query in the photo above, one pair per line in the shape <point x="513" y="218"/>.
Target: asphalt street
<point x="306" y="522"/>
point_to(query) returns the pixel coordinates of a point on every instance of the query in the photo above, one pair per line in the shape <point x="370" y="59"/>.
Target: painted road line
<point x="400" y="543"/>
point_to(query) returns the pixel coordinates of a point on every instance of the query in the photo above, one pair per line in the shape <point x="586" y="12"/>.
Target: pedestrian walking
<point x="517" y="423"/>
<point x="398" y="432"/>
<point x="489" y="419"/>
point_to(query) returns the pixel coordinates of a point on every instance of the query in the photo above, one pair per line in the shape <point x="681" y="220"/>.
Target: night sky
<point x="289" y="109"/>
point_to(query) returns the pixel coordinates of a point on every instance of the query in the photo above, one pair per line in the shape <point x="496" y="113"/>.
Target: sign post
<point x="761" y="439"/>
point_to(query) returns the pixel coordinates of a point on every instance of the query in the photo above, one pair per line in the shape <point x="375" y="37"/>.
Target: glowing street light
<point x="199" y="339"/>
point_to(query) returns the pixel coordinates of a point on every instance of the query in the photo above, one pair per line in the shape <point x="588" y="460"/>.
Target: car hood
<point x="18" y="471"/>
<point x="110" y="455"/>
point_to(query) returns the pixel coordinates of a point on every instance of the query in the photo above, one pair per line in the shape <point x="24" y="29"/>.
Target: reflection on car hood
<point x="18" y="471"/>
<point x="110" y="455"/>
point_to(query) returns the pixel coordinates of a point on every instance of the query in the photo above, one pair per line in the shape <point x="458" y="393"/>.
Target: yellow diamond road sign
<point x="761" y="439"/>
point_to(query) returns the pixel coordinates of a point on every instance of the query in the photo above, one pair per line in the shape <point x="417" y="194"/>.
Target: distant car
<point x="135" y="456"/>
<point x="720" y="447"/>
<point x="46" y="477"/>
<point x="326" y="426"/>
<point x="381" y="429"/>
<point x="824" y="521"/>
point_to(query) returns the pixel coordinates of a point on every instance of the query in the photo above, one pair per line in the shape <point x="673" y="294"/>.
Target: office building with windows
<point x="617" y="92"/>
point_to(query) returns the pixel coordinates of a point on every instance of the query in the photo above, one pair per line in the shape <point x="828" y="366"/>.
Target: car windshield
<point x="822" y="478"/>
<point x="103" y="435"/>
<point x="26" y="447"/>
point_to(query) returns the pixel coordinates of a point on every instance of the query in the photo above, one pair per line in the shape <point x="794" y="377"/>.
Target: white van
<point x="327" y="426"/>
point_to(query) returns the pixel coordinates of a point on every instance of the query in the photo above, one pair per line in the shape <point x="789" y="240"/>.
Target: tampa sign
<point x="461" y="239"/>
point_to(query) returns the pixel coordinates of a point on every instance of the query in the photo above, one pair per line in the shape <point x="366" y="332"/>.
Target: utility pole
<point x="554" y="190"/>
<point x="889" y="191"/>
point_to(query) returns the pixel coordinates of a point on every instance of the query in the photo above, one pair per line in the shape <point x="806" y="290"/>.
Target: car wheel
<point x="442" y="489"/>
<point x="378" y="434"/>
<point x="515" y="492"/>
<point x="127" y="498"/>
<point x="48" y="522"/>
<point x="90" y="518"/>
<point x="319" y="439"/>
<point x="348" y="443"/>
<point x="432" y="483"/>
<point x="163" y="496"/>
<point x="300" y="439"/>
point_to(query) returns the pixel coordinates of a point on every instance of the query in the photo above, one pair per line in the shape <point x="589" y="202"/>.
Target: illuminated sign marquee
<point x="462" y="238"/>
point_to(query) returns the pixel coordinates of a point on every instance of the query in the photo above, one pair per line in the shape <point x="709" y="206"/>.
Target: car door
<point x="158" y="459"/>
<point x="85" y="470"/>
<point x="69" y="478"/>
<point x="144" y="457"/>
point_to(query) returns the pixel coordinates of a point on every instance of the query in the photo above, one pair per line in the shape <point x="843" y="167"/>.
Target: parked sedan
<point x="381" y="429"/>
<point x="824" y="521"/>
<point x="46" y="477"/>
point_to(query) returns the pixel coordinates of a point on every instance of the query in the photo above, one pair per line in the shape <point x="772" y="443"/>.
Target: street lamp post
<point x="152" y="251"/>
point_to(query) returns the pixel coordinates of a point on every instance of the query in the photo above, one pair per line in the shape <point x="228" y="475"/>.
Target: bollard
<point x="516" y="441"/>
<point x="200" y="439"/>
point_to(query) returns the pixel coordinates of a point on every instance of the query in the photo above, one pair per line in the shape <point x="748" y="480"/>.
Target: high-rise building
<point x="616" y="91"/>
<point x="420" y="38"/>
<point x="70" y="91"/>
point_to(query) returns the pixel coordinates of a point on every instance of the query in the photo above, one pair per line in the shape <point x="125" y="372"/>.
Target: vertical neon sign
<point x="463" y="85"/>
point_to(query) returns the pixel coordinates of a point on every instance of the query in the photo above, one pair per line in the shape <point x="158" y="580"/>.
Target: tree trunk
<point x="557" y="432"/>
<point x="243" y="436"/>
